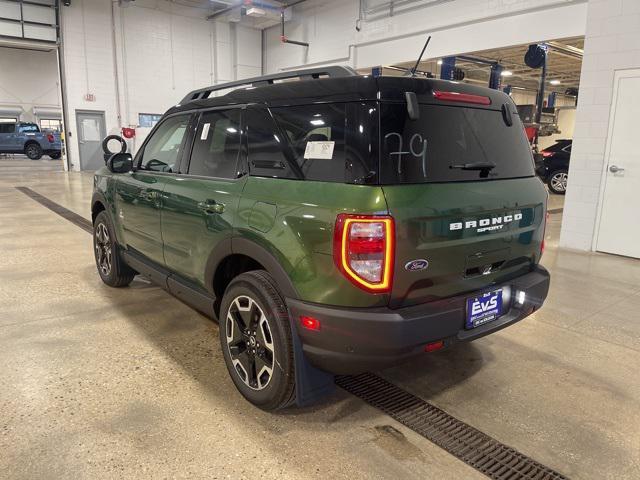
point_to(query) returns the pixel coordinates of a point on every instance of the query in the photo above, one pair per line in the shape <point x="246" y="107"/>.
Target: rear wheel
<point x="255" y="335"/>
<point x="558" y="181"/>
<point x="55" y="155"/>
<point x="33" y="151"/>
<point x="111" y="268"/>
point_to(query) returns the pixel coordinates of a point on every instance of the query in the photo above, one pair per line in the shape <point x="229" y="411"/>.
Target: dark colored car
<point x="23" y="137"/>
<point x="335" y="224"/>
<point x="552" y="165"/>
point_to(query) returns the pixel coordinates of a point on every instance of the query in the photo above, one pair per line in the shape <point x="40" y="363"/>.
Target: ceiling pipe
<point x="283" y="37"/>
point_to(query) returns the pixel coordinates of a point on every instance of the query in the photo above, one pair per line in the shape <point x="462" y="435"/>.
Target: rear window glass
<point x="29" y="128"/>
<point x="437" y="146"/>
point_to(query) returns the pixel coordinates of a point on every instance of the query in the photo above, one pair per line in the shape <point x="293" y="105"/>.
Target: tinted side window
<point x="164" y="148"/>
<point x="266" y="156"/>
<point x="216" y="146"/>
<point x="7" y="127"/>
<point x="316" y="135"/>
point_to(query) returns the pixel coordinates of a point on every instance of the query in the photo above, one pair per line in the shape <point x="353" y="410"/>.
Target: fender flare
<point x="242" y="246"/>
<point x="98" y="197"/>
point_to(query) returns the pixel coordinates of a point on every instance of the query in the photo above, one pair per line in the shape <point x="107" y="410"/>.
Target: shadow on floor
<point x="190" y="339"/>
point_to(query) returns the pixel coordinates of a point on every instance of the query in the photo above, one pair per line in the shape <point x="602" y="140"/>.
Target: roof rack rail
<point x="307" y="74"/>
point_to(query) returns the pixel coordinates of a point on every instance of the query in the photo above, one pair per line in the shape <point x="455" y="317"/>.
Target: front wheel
<point x="256" y="341"/>
<point x="33" y="151"/>
<point x="111" y="268"/>
<point x="558" y="181"/>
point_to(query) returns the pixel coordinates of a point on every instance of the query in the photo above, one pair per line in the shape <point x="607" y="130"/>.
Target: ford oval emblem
<point x="415" y="265"/>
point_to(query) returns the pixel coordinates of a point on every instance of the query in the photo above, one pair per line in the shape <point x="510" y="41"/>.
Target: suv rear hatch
<point x="460" y="184"/>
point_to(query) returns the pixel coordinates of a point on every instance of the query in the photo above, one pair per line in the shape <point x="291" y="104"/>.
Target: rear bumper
<point x="354" y="340"/>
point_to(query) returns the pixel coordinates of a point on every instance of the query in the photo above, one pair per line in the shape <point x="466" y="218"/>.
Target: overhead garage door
<point x="29" y="20"/>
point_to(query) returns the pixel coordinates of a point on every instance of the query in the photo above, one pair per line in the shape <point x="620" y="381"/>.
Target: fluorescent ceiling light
<point x="317" y="122"/>
<point x="506" y="73"/>
<point x="439" y="62"/>
<point x="555" y="82"/>
<point x="256" y="12"/>
<point x="232" y="130"/>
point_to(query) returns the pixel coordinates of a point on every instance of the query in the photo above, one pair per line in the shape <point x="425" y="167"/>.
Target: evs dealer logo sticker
<point x="486" y="224"/>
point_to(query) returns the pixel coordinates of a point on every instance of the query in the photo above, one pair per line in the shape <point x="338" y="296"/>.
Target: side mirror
<point x="120" y="163"/>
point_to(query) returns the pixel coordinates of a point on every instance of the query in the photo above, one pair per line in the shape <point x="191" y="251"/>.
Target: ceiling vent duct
<point x="259" y="14"/>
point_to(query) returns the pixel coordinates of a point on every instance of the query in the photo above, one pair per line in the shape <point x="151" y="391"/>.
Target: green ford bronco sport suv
<point x="333" y="225"/>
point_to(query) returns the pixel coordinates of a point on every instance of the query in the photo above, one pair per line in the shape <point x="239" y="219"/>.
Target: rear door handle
<point x="211" y="207"/>
<point x="615" y="169"/>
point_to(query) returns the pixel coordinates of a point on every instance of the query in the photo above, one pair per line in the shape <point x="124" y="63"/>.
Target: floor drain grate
<point x="65" y="213"/>
<point x="468" y="444"/>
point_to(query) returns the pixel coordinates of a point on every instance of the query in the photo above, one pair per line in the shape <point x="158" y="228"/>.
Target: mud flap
<point x="312" y="384"/>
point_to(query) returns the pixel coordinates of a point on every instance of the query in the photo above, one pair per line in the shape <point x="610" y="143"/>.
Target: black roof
<point x="337" y="89"/>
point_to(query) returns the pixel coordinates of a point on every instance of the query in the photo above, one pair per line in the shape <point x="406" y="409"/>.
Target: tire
<point x="56" y="155"/>
<point x="33" y="151"/>
<point x="557" y="181"/>
<point x="262" y="371"/>
<point x="111" y="268"/>
<point x="108" y="138"/>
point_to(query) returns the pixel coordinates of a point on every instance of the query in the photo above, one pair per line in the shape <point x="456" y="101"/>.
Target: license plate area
<point x="484" y="308"/>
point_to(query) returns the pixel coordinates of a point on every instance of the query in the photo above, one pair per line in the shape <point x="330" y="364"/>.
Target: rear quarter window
<point x="332" y="142"/>
<point x="432" y="148"/>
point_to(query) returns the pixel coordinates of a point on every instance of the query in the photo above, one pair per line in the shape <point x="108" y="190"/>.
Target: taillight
<point x="50" y="138"/>
<point x="363" y="250"/>
<point x="546" y="154"/>
<point x="461" y="97"/>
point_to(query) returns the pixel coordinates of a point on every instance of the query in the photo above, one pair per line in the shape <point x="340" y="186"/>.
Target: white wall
<point x="612" y="43"/>
<point x="28" y="79"/>
<point x="458" y="26"/>
<point x="160" y="52"/>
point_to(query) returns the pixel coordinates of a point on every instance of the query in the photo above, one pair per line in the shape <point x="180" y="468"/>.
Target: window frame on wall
<point x="149" y="120"/>
<point x="57" y="127"/>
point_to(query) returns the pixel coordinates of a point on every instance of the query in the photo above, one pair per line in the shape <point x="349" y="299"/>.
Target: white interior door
<point x="619" y="229"/>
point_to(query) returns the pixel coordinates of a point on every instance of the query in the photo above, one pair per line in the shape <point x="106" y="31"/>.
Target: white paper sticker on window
<point x="205" y="131"/>
<point x="319" y="150"/>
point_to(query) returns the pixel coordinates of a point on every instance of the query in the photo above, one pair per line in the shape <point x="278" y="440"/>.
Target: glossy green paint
<point x="138" y="202"/>
<point x="301" y="238"/>
<point x="423" y="214"/>
<point x="197" y="214"/>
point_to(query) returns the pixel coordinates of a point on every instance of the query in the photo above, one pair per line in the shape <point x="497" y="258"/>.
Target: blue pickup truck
<point x="22" y="137"/>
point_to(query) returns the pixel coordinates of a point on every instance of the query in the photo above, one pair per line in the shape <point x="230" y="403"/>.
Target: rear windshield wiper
<point x="475" y="166"/>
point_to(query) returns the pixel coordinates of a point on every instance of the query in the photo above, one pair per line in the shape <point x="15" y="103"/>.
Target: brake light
<point x="546" y="154"/>
<point x="310" y="323"/>
<point x="50" y="138"/>
<point x="363" y="250"/>
<point x="461" y="97"/>
<point x="433" y="346"/>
